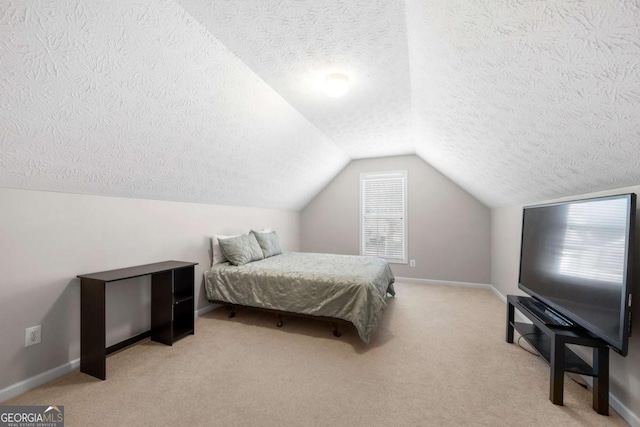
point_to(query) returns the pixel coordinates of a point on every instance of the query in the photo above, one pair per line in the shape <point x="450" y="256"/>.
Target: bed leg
<point x="280" y="322"/>
<point x="232" y="313"/>
<point x="336" y="330"/>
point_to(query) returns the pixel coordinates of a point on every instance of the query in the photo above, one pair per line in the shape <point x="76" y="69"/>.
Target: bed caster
<point x="280" y="322"/>
<point x="232" y="314"/>
<point x="336" y="331"/>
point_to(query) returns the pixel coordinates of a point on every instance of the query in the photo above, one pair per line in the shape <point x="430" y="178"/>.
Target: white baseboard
<point x="206" y="309"/>
<point x="450" y="283"/>
<point x="50" y="375"/>
<point x="444" y="282"/>
<point x="465" y="285"/>
<point x="624" y="412"/>
<point x="37" y="380"/>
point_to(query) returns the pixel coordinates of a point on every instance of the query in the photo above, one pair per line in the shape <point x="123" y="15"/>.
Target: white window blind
<point x="383" y="219"/>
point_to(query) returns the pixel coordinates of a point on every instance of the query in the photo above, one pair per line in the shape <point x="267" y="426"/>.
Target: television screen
<point x="576" y="258"/>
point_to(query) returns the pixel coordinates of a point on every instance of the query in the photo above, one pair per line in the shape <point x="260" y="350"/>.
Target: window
<point x="383" y="215"/>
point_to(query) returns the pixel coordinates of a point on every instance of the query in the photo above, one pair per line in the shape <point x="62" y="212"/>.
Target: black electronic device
<point x="576" y="259"/>
<point x="545" y="314"/>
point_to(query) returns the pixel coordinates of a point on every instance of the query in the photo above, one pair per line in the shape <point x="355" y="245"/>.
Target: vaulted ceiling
<point x="220" y="101"/>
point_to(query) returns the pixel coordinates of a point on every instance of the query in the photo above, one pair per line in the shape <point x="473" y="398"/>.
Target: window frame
<point x="364" y="176"/>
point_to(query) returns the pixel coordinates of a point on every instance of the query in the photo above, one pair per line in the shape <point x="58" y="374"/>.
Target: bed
<point x="338" y="288"/>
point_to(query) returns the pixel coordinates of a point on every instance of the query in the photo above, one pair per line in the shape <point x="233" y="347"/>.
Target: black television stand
<point x="550" y="342"/>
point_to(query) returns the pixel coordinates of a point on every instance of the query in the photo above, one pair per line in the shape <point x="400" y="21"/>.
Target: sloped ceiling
<point x="219" y="101"/>
<point x="522" y="101"/>
<point x="136" y="99"/>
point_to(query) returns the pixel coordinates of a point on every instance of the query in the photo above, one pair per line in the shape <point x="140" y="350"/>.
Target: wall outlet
<point x="412" y="263"/>
<point x="33" y="335"/>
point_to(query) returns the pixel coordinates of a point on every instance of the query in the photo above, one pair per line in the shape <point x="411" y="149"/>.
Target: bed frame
<point x="335" y="321"/>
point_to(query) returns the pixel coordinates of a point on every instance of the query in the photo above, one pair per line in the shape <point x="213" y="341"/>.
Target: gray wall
<point x="46" y="239"/>
<point x="506" y="226"/>
<point x="449" y="230"/>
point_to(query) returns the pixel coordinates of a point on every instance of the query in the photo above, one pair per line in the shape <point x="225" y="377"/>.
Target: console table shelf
<point x="550" y="342"/>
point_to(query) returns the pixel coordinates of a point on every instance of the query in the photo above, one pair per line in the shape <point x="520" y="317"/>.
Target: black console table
<point x="550" y="342"/>
<point x="172" y="310"/>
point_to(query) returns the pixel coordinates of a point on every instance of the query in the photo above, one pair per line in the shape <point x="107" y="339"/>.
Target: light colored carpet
<point x="439" y="358"/>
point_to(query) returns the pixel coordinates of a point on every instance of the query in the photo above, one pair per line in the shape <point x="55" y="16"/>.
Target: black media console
<point x="548" y="335"/>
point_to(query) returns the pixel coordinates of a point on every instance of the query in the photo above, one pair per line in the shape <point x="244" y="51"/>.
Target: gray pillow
<point x="268" y="242"/>
<point x="240" y="250"/>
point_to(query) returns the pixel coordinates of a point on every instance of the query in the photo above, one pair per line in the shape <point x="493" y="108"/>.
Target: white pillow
<point x="218" y="256"/>
<point x="264" y="230"/>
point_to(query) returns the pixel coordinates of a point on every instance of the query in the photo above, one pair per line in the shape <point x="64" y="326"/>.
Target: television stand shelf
<point x="550" y="342"/>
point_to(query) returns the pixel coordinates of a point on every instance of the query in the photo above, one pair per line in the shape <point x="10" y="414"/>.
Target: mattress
<point x="347" y="287"/>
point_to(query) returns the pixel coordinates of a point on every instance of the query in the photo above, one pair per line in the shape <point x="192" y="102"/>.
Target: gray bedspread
<point x="352" y="288"/>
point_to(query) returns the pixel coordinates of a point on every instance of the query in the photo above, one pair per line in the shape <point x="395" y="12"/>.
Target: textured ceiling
<point x="522" y="101"/>
<point x="219" y="101"/>
<point x="293" y="45"/>
<point x="136" y="99"/>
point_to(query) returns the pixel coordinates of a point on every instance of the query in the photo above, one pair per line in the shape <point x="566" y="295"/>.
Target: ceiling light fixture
<point x="336" y="85"/>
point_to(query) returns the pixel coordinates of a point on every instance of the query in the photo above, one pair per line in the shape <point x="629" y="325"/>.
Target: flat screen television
<point x="576" y="258"/>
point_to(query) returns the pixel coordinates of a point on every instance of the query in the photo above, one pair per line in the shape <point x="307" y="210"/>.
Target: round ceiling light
<point x="336" y="85"/>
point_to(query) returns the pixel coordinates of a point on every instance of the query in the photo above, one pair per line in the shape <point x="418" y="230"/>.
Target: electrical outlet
<point x="412" y="263"/>
<point x="33" y="335"/>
